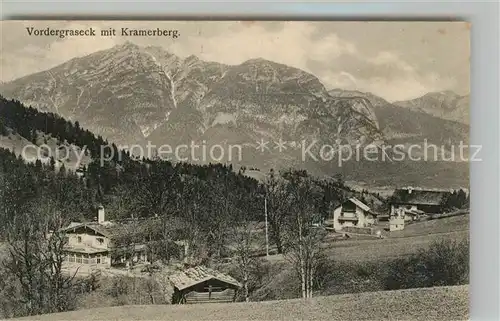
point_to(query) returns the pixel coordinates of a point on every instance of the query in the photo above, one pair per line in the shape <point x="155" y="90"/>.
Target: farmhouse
<point x="351" y="213"/>
<point x="106" y="243"/>
<point x="203" y="285"/>
<point x="410" y="203"/>
<point x="397" y="221"/>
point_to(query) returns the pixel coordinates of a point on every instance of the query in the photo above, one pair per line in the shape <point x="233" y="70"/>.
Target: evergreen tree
<point x="52" y="163"/>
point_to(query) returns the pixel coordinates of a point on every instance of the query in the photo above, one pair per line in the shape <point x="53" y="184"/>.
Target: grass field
<point x="440" y="303"/>
<point x="372" y="253"/>
<point x="388" y="248"/>
<point x="397" y="244"/>
<point x="436" y="226"/>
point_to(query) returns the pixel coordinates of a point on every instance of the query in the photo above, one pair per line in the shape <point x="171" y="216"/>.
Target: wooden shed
<point x="203" y="285"/>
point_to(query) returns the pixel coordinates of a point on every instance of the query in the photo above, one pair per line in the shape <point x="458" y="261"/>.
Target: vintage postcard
<point x="320" y="166"/>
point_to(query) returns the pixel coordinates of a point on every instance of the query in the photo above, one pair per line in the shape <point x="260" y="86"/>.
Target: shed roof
<point x="199" y="274"/>
<point x="419" y="197"/>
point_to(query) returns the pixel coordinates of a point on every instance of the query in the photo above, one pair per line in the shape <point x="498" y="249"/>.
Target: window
<point x="100" y="240"/>
<point x="79" y="239"/>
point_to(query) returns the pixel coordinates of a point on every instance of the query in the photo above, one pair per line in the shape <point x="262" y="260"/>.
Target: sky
<point x="394" y="60"/>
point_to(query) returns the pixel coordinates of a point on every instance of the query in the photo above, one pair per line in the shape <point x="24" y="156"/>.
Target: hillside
<point x="411" y="125"/>
<point x="66" y="154"/>
<point x="419" y="304"/>
<point x="417" y="130"/>
<point x="36" y="135"/>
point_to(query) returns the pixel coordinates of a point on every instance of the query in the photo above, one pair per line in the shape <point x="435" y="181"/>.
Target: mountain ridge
<point x="130" y="94"/>
<point x="174" y="85"/>
<point x="446" y="104"/>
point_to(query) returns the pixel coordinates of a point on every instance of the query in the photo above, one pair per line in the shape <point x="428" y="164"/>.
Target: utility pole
<point x="267" y="235"/>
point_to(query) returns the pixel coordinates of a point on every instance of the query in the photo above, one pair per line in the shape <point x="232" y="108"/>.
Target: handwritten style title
<point x="111" y="32"/>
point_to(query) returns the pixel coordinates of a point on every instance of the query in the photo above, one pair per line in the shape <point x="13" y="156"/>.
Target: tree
<point x="162" y="279"/>
<point x="3" y="128"/>
<point x="126" y="241"/>
<point x="52" y="164"/>
<point x="278" y="208"/>
<point x="35" y="260"/>
<point x="461" y="199"/>
<point x="153" y="190"/>
<point x="304" y="241"/>
<point x="244" y="240"/>
<point x="189" y="200"/>
<point x="306" y="255"/>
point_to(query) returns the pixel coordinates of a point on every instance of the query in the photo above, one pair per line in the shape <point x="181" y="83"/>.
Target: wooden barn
<point x="203" y="285"/>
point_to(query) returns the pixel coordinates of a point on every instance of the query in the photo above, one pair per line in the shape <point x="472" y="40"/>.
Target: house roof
<point x="111" y="230"/>
<point x="358" y="203"/>
<point x="363" y="206"/>
<point x="413" y="211"/>
<point x="199" y="274"/>
<point x="121" y="228"/>
<point x="419" y="197"/>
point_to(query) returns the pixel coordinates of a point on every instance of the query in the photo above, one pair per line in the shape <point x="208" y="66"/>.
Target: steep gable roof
<point x="362" y="205"/>
<point x="358" y="203"/>
<point x="199" y="274"/>
<point x="419" y="197"/>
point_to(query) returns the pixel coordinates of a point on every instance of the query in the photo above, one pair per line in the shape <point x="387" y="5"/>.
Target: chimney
<point x="100" y="214"/>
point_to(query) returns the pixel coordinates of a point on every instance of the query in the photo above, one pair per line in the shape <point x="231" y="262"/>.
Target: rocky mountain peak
<point x="127" y="45"/>
<point x="191" y="58"/>
<point x="129" y="93"/>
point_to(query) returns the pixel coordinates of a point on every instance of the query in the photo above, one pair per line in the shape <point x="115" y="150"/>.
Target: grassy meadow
<point x="413" y="304"/>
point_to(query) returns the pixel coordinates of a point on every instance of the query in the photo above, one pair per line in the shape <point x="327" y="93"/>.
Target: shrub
<point x="445" y="262"/>
<point x="352" y="277"/>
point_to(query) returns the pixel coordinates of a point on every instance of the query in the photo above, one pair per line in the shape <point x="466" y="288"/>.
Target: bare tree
<point x="245" y="246"/>
<point x="278" y="208"/>
<point x="303" y="241"/>
<point x="35" y="259"/>
<point x="306" y="256"/>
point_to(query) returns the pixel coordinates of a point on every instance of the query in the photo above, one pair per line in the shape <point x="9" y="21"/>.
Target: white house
<point x="353" y="213"/>
<point x="92" y="243"/>
<point x="397" y="220"/>
<point x="108" y="243"/>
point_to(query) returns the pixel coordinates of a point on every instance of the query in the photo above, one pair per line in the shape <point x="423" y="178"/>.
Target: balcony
<point x="348" y="218"/>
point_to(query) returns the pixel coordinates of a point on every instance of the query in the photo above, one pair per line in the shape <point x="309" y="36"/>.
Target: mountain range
<point x="134" y="95"/>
